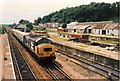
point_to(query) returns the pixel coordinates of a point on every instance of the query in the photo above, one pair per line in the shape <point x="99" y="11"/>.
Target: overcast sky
<point x="11" y="11"/>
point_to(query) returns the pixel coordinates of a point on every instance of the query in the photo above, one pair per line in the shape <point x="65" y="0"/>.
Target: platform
<point x="6" y="64"/>
<point x="1" y="57"/>
<point x="88" y="48"/>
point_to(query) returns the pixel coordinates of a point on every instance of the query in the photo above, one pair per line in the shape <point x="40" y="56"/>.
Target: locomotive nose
<point x="47" y="50"/>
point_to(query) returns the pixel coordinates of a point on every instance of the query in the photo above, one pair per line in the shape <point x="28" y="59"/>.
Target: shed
<point x="107" y="29"/>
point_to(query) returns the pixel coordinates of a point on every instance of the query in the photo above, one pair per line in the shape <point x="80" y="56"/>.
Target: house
<point x="78" y="28"/>
<point x="107" y="29"/>
<point x="51" y="25"/>
<point x="96" y="28"/>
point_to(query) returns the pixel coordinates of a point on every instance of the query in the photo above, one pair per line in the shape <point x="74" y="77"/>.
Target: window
<point x="99" y="31"/>
<point x="43" y="40"/>
<point x="47" y="49"/>
<point x="103" y="31"/>
<point x="74" y="30"/>
<point x="107" y="31"/>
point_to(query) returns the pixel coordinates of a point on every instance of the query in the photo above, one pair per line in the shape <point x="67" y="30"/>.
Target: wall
<point x="99" y="32"/>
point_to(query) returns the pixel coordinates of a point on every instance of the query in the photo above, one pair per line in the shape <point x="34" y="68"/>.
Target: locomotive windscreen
<point x="44" y="40"/>
<point x="47" y="49"/>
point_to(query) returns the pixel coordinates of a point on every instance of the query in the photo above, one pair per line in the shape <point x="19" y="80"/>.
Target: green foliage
<point x="23" y="21"/>
<point x="2" y="29"/>
<point x="91" y="12"/>
<point x="13" y="25"/>
<point x="64" y="25"/>
<point x="36" y="22"/>
<point x="115" y="19"/>
<point x="29" y="26"/>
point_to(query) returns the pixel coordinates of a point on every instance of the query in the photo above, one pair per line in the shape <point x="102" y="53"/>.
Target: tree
<point x="36" y="22"/>
<point x="29" y="26"/>
<point x="64" y="25"/>
<point x="85" y="13"/>
<point x="3" y="29"/>
<point x="13" y="25"/>
<point x="22" y="21"/>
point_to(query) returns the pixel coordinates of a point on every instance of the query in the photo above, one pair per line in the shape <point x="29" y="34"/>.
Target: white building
<point x="51" y="25"/>
<point x="77" y="27"/>
<point x="107" y="29"/>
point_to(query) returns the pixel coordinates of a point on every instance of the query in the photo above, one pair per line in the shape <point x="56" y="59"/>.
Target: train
<point x="41" y="46"/>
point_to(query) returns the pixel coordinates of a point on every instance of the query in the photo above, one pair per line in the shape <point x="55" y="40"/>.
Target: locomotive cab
<point x="41" y="46"/>
<point x="45" y="49"/>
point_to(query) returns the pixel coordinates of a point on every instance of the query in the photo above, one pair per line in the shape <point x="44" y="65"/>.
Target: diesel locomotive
<point x="41" y="46"/>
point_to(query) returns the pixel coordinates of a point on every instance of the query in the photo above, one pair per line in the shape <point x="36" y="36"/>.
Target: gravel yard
<point x="74" y="70"/>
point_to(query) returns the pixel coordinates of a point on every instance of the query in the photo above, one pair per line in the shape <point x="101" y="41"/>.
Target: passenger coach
<point x="41" y="46"/>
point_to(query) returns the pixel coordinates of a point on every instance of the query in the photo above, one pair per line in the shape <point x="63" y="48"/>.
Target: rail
<point x="22" y="69"/>
<point x="56" y="72"/>
<point x="95" y="67"/>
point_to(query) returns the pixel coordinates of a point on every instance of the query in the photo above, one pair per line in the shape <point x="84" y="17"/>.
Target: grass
<point x="0" y="26"/>
<point x="101" y="41"/>
<point x="58" y="37"/>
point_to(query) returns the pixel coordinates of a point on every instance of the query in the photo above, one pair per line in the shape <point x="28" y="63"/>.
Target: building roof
<point x="101" y="22"/>
<point x="83" y="27"/>
<point x="115" y="26"/>
<point x="78" y="27"/>
<point x="91" y="27"/>
<point x="73" y="23"/>
<point x="94" y="25"/>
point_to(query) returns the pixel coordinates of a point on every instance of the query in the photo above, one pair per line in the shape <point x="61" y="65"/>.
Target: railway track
<point x="33" y="65"/>
<point x="95" y="67"/>
<point x="22" y="69"/>
<point x="55" y="71"/>
<point x="40" y="71"/>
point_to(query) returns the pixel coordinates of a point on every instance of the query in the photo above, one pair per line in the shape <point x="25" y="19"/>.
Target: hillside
<point x="84" y="13"/>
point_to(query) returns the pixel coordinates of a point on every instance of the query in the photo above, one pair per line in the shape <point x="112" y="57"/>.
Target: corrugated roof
<point x="99" y="26"/>
<point x="83" y="27"/>
<point x="108" y="26"/>
<point x="91" y="27"/>
<point x="117" y="27"/>
<point x="73" y="23"/>
<point x="78" y="27"/>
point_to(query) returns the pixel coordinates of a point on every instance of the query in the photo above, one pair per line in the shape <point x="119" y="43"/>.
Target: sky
<point x="12" y="11"/>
